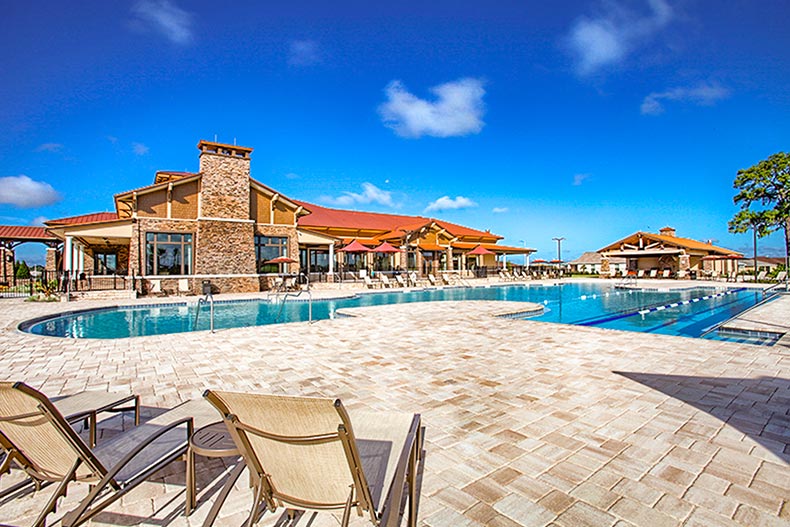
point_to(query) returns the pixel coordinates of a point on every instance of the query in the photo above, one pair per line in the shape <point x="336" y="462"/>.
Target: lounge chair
<point x="432" y="279"/>
<point x="38" y="438"/>
<point x="446" y="279"/>
<point x="653" y="273"/>
<point x="640" y="273"/>
<point x="681" y="274"/>
<point x="400" y="281"/>
<point x="385" y="282"/>
<point x="665" y="273"/>
<point x="369" y="283"/>
<point x="732" y="276"/>
<point x="413" y="278"/>
<point x="303" y="453"/>
<point x="83" y="408"/>
<point x="780" y="276"/>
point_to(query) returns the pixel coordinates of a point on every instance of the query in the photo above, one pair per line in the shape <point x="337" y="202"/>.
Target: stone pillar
<point x="51" y="265"/>
<point x="224" y="243"/>
<point x="605" y="266"/>
<point x="684" y="262"/>
<point x="450" y="259"/>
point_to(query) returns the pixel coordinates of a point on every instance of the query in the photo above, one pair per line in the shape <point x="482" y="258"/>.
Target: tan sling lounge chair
<point x="400" y="281"/>
<point x="38" y="438"/>
<point x="304" y="454"/>
<point x="432" y="279"/>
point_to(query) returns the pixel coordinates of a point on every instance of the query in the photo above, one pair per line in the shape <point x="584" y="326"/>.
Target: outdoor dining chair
<point x="38" y="438"/>
<point x="304" y="454"/>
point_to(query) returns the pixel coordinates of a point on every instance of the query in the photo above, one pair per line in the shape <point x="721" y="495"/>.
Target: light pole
<point x="559" y="248"/>
<point x="559" y="255"/>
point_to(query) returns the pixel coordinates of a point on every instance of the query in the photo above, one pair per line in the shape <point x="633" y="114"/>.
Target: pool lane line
<point x="644" y="312"/>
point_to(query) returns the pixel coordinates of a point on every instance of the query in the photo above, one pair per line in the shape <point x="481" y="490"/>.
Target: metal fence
<point x="63" y="282"/>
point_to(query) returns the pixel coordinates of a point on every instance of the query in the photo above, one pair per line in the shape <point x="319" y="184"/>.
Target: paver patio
<point x="528" y="423"/>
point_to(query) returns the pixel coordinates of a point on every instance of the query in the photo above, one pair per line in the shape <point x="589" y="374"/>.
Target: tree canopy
<point x="764" y="198"/>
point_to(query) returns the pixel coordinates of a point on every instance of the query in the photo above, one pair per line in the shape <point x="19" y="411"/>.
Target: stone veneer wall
<point x="224" y="247"/>
<point x="51" y="264"/>
<point x="225" y="186"/>
<point x="7" y="267"/>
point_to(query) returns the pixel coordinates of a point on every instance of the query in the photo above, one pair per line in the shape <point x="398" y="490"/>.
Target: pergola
<point x="12" y="236"/>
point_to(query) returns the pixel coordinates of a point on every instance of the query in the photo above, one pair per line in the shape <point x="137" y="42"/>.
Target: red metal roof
<point x="25" y="232"/>
<point x="377" y="221"/>
<point x="95" y="217"/>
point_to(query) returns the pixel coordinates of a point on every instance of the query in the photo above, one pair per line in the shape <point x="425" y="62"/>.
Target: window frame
<point x="186" y="254"/>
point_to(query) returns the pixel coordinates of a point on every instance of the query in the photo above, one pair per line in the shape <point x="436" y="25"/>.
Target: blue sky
<point x="586" y="120"/>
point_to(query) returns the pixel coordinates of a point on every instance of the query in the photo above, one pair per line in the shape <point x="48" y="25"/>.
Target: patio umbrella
<point x="354" y="247"/>
<point x="539" y="261"/>
<point x="385" y="248"/>
<point x="280" y="260"/>
<point x="479" y="251"/>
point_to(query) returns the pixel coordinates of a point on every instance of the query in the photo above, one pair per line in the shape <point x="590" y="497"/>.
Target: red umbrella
<point x="280" y="260"/>
<point x="479" y="251"/>
<point x="354" y="247"/>
<point x="385" y="248"/>
<point x="539" y="261"/>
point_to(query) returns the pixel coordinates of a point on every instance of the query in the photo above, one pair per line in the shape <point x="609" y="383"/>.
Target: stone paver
<point x="528" y="423"/>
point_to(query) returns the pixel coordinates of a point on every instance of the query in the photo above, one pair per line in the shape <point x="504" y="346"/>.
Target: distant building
<point x="666" y="250"/>
<point x="590" y="263"/>
<point x="764" y="263"/>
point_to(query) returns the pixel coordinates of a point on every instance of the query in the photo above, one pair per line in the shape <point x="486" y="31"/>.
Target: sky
<point x="582" y="120"/>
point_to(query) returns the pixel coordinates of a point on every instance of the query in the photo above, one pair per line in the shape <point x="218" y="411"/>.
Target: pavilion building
<point x="665" y="250"/>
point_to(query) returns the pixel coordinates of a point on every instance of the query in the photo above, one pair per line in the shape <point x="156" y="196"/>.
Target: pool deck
<point x="528" y="423"/>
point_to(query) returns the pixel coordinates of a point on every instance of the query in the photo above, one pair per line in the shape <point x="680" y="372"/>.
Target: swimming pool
<point x="689" y="312"/>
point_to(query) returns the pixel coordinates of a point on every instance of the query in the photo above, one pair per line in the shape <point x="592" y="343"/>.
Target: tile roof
<point x="25" y="232"/>
<point x="676" y="241"/>
<point x="377" y="221"/>
<point x="96" y="217"/>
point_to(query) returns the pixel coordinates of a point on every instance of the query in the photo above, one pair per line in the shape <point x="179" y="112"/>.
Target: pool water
<point x="691" y="312"/>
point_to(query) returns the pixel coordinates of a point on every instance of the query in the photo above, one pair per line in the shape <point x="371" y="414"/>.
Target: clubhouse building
<point x="222" y="225"/>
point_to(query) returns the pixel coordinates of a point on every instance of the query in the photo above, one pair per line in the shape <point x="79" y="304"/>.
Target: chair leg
<point x="347" y="508"/>
<point x="256" y="502"/>
<point x="41" y="521"/>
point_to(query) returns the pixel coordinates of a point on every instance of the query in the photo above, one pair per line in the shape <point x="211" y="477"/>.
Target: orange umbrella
<point x="385" y="248"/>
<point x="479" y="251"/>
<point x="354" y="247"/>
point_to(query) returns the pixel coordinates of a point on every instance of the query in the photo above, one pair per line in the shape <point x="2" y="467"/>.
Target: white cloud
<point x="448" y="203"/>
<point x="25" y="193"/>
<point x="165" y="18"/>
<point x="49" y="147"/>
<point x="38" y="221"/>
<point x="704" y="94"/>
<point x="578" y="179"/>
<point x="370" y="194"/>
<point x="457" y="110"/>
<point x="606" y="40"/>
<point x="500" y="210"/>
<point x="112" y="139"/>
<point x="291" y="175"/>
<point x="303" y="53"/>
<point x="139" y="149"/>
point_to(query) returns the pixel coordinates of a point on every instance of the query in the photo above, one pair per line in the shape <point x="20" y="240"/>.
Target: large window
<point x="105" y="263"/>
<point x="268" y="248"/>
<point x="168" y="253"/>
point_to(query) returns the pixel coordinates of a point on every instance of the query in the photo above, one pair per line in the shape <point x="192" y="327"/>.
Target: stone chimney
<point x="667" y="231"/>
<point x="225" y="181"/>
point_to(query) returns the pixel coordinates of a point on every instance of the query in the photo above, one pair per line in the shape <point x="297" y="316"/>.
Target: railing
<point x="209" y="298"/>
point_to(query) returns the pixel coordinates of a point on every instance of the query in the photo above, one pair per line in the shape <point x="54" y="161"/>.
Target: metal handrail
<point x="209" y="298"/>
